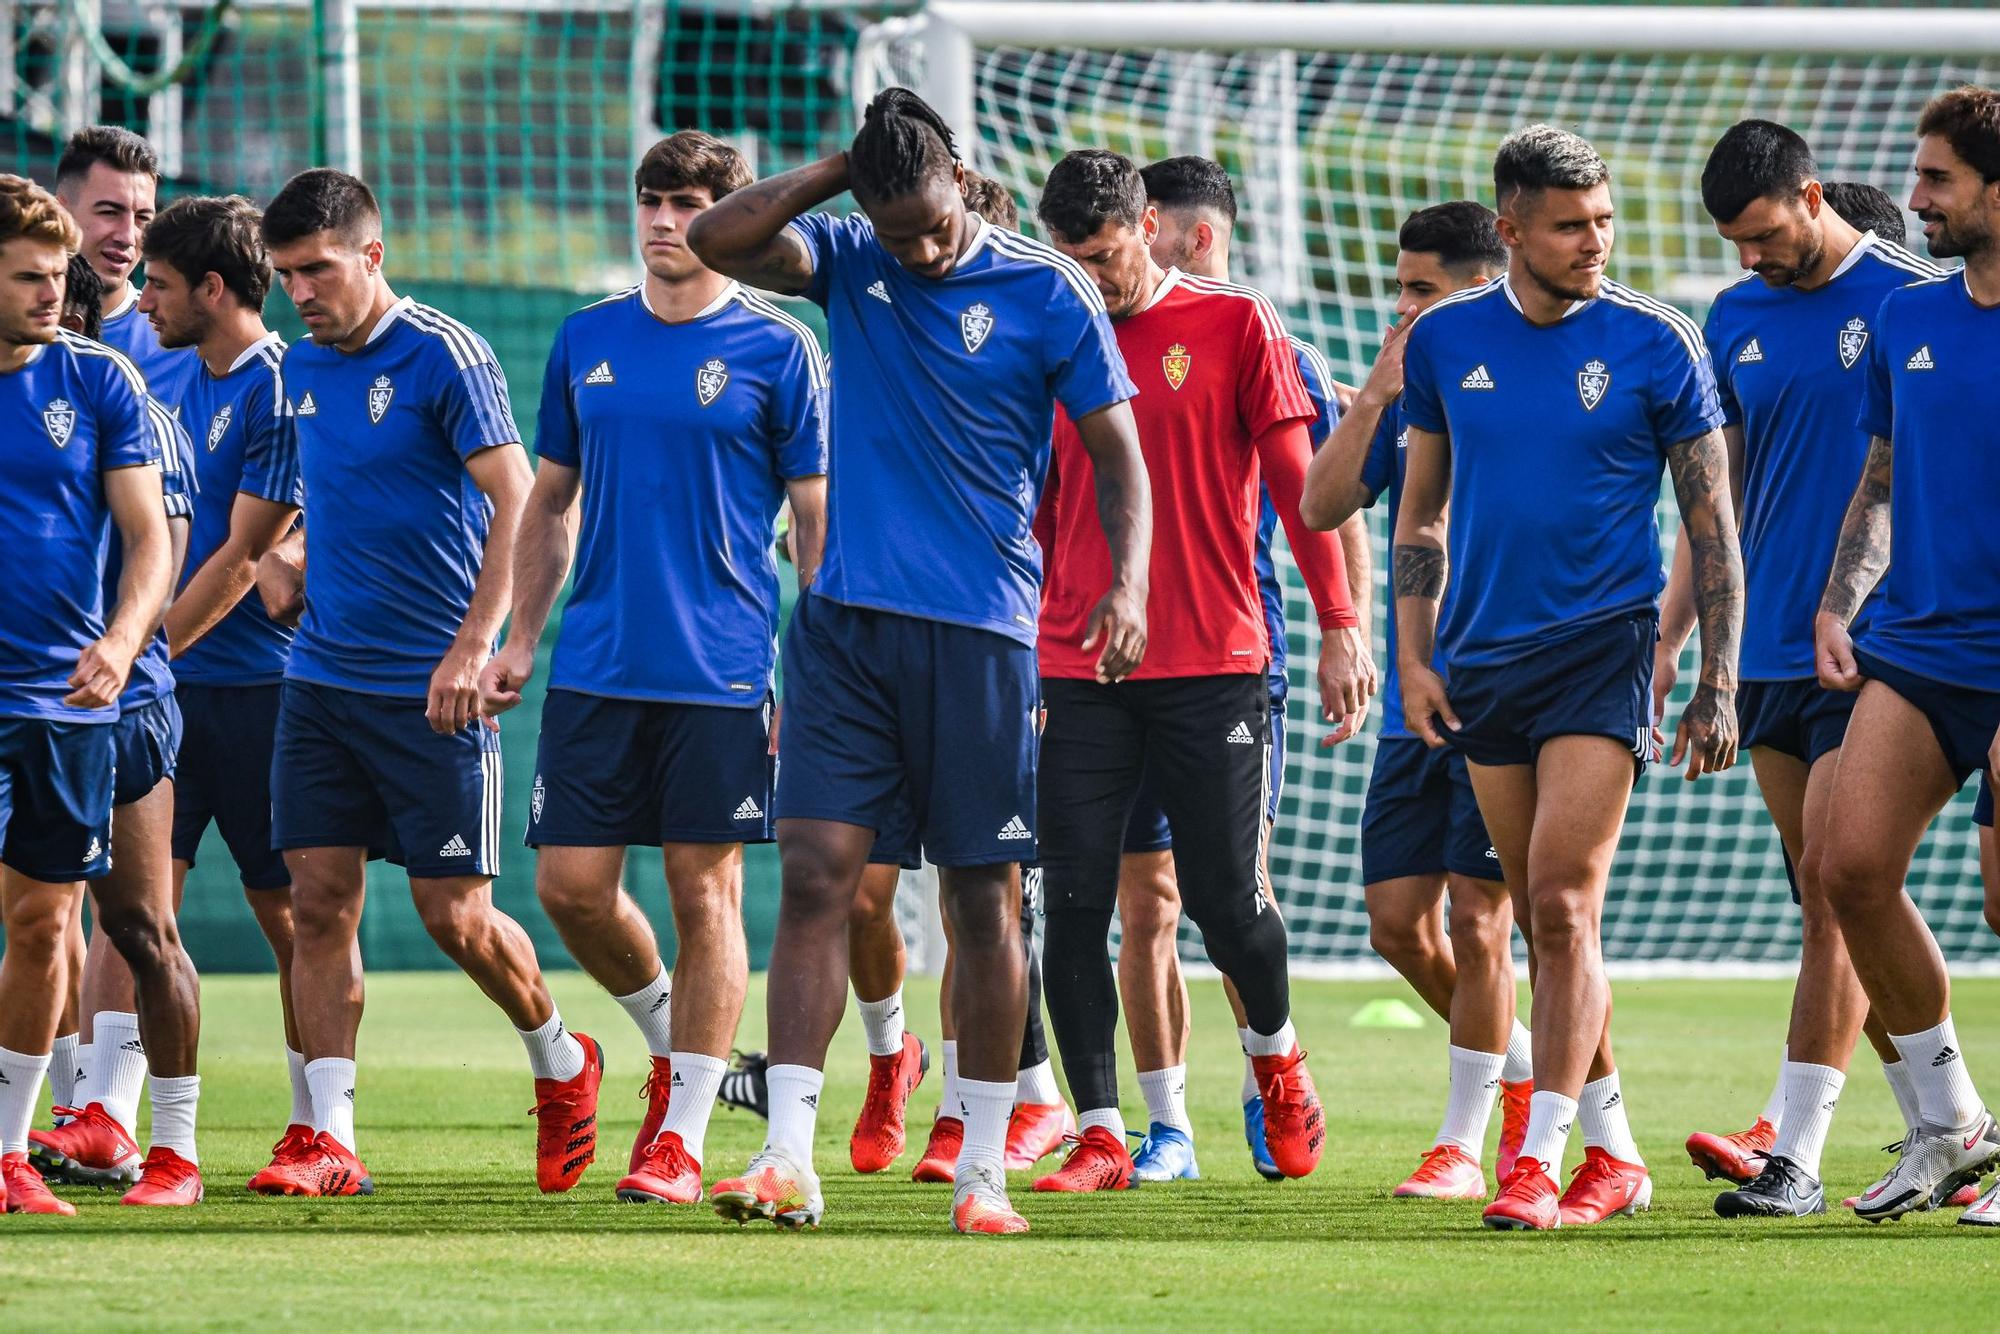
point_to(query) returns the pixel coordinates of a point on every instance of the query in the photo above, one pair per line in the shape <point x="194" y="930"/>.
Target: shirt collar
<point x="722" y="298"/>
<point x="1168" y="282"/>
<point x="1861" y="247"/>
<point x="249" y="353"/>
<point x="1507" y="284"/>
<point x="389" y="317"/>
<point x="980" y="235"/>
<point x="123" y="307"/>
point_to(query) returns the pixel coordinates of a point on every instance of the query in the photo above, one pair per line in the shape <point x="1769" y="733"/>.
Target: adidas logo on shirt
<point x="1239" y="735"/>
<point x="308" y="408"/>
<point x="1920" y="360"/>
<point x="880" y="292"/>
<point x="455" y="848"/>
<point x="1014" y="829"/>
<point x="1751" y="352"/>
<point x="600" y="374"/>
<point x="748" y="810"/>
<point x="1480" y="378"/>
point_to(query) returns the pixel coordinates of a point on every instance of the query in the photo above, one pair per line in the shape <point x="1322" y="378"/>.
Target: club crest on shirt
<point x="975" y="324"/>
<point x="1176" y="363"/>
<point x="59" y="419"/>
<point x="218" y="426"/>
<point x="1591" y="382"/>
<point x="709" y="380"/>
<point x="1853" y="339"/>
<point x="379" y="395"/>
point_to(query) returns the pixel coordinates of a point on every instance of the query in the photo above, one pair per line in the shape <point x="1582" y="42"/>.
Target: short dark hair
<point x="692" y="158"/>
<point x="1753" y="160"/>
<point x="204" y="234"/>
<point x="991" y="201"/>
<point x="1191" y="182"/>
<point x="1542" y="157"/>
<point x="902" y="143"/>
<point x="1868" y="208"/>
<point x="1459" y="232"/>
<point x="1088" y="188"/>
<point x="113" y="145"/>
<point x="83" y="297"/>
<point x="321" y="200"/>
<point x="1969" y="120"/>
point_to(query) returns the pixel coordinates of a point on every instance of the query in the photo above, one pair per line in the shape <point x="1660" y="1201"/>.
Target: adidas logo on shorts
<point x="749" y="810"/>
<point x="1751" y="352"/>
<point x="1014" y="829"/>
<point x="1239" y="735"/>
<point x="600" y="374"/>
<point x="880" y="292"/>
<point x="1481" y="378"/>
<point x="455" y="848"/>
<point x="94" y="851"/>
<point x="1920" y="360"/>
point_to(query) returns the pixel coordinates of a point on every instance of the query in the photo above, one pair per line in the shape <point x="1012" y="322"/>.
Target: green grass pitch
<point x="458" y="1236"/>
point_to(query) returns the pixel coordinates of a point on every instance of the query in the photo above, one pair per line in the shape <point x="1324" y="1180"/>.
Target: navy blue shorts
<point x="1962" y="719"/>
<point x="1421" y="817"/>
<point x="146" y="745"/>
<point x="1982" y="809"/>
<point x="55" y="798"/>
<point x="1148" y="830"/>
<point x="613" y="773"/>
<point x="1598" y="683"/>
<point x="228" y="736"/>
<point x="1802" y="719"/>
<point x="351" y="769"/>
<point x="891" y="717"/>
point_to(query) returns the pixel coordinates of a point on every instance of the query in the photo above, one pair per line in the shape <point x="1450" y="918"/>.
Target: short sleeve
<point x="1716" y="339"/>
<point x="1269" y="387"/>
<point x="1423" y="408"/>
<point x="1684" y="398"/>
<point x="795" y="420"/>
<point x="819" y="232"/>
<point x="1082" y="361"/>
<point x="177" y="482"/>
<point x="125" y="437"/>
<point x="555" y="419"/>
<point x="1319" y="388"/>
<point x="1878" y="404"/>
<point x="1378" y="469"/>
<point x="271" y="448"/>
<point x="473" y="410"/>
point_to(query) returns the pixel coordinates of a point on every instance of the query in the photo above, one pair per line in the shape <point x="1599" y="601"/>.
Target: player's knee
<point x="1481" y="925"/>
<point x="1849" y="874"/>
<point x="143" y="938"/>
<point x="40" y="931"/>
<point x="1404" y="940"/>
<point x="1565" y="927"/>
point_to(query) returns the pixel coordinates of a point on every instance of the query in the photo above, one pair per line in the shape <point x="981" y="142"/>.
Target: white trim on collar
<point x="723" y="298"/>
<point x="1515" y="301"/>
<point x="1168" y="283"/>
<point x="249" y="353"/>
<point x="131" y="300"/>
<point x="979" y="237"/>
<point x="1861" y="247"/>
<point x="389" y="317"/>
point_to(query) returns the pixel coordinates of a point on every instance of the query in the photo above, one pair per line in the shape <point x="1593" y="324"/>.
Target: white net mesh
<point x="1330" y="152"/>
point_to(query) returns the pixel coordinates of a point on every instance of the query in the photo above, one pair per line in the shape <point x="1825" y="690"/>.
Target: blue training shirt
<point x="1319" y="387"/>
<point x="685" y="435"/>
<point x="165" y="369"/>
<point x="244" y="445"/>
<point x="1933" y="383"/>
<point x="1790" y="366"/>
<point x="1559" y="435"/>
<point x="75" y="411"/>
<point x="395" y="525"/>
<point x="152" y="679"/>
<point x="941" y="417"/>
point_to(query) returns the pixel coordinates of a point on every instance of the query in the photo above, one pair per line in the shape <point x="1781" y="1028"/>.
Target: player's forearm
<point x="738" y="235"/>
<point x="1701" y="482"/>
<point x="145" y="581"/>
<point x="808" y="498"/>
<point x="1418" y="572"/>
<point x="1862" y="553"/>
<point x="211" y="595"/>
<point x="1284" y="452"/>
<point x="1333" y="490"/>
<point x="1355" y="550"/>
<point x="1677" y="613"/>
<point x="1124" y="493"/>
<point x="543" y="554"/>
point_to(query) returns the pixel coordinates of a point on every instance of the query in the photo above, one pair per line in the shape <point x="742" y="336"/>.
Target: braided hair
<point x="902" y="143"/>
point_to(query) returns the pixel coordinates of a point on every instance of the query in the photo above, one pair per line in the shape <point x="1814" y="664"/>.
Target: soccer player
<point x="207" y="278"/>
<point x="910" y="664"/>
<point x="1548" y="635"/>
<point x="682" y="412"/>
<point x="83" y="461"/>
<point x="1868" y="208"/>
<point x="1421" y="834"/>
<point x="1220" y="400"/>
<point x="1927" y="660"/>
<point x="1787" y="342"/>
<point x="415" y="481"/>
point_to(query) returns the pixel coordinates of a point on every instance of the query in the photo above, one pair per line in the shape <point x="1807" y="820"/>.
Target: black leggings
<point x="1034" y="1042"/>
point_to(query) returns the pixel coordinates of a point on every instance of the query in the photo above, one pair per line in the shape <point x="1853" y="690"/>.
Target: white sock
<point x="985" y="1104"/>
<point x="1279" y="1043"/>
<point x="698" y="1077"/>
<point x="83" y="1077"/>
<point x="1475" y="1081"/>
<point x="1774" y="1106"/>
<point x="1037" y="1085"/>
<point x="1166" y="1098"/>
<point x="948" y="1093"/>
<point x="794" y="1092"/>
<point x="173" y="1113"/>
<point x="332" y="1081"/>
<point x="652" y="1009"/>
<point x="1904" y="1090"/>
<point x="1601" y="1106"/>
<point x="882" y="1023"/>
<point x="20" y="1091"/>
<point x="1811" y="1091"/>
<point x="1110" y="1118"/>
<point x="1937" y="1068"/>
<point x="302" y="1098"/>
<point x="552" y="1052"/>
<point x="119" y="1069"/>
<point x="1550" y="1116"/>
<point x="63" y="1070"/>
<point x="1250" y="1088"/>
<point x="1519" y="1067"/>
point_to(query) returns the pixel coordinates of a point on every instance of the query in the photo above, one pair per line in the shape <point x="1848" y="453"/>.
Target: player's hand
<point x="1706" y="737"/>
<point x="1347" y="681"/>
<point x="454" y="694"/>
<point x="1119" y="620"/>
<point x="1385" y="378"/>
<point x="1666" y="672"/>
<point x="99" y="678"/>
<point x="501" y="682"/>
<point x="1425" y="705"/>
<point x="1833" y="653"/>
<point x="281" y="585"/>
<point x="1344" y="395"/>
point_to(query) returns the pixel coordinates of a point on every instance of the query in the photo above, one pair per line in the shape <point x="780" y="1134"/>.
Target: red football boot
<point x="657" y="1093"/>
<point x="91" y="1150"/>
<point x="939" y="1165"/>
<point x="565" y="1113"/>
<point x="1527" y="1201"/>
<point x="668" y="1174"/>
<point x="1446" y="1173"/>
<point x="166" y="1179"/>
<point x="979" y="1205"/>
<point x="1514" y="1100"/>
<point x="286" y="1154"/>
<point x="323" y="1167"/>
<point x="1601" y="1186"/>
<point x="773" y="1188"/>
<point x="26" y="1192"/>
<point x="1035" y="1130"/>
<point x="1738" y="1157"/>
<point x="1097" y="1161"/>
<point x="878" y="1132"/>
<point x="1294" y="1122"/>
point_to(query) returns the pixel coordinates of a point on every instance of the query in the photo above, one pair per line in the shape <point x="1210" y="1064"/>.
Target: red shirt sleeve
<point x="1284" y="452"/>
<point x="1269" y="388"/>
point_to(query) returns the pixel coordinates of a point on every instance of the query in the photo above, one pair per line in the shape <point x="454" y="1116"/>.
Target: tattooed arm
<point x="744" y="235"/>
<point x="1418" y="572"/>
<point x="1858" y="562"/>
<point x="1125" y="510"/>
<point x="1677" y="612"/>
<point x="1706" y="736"/>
